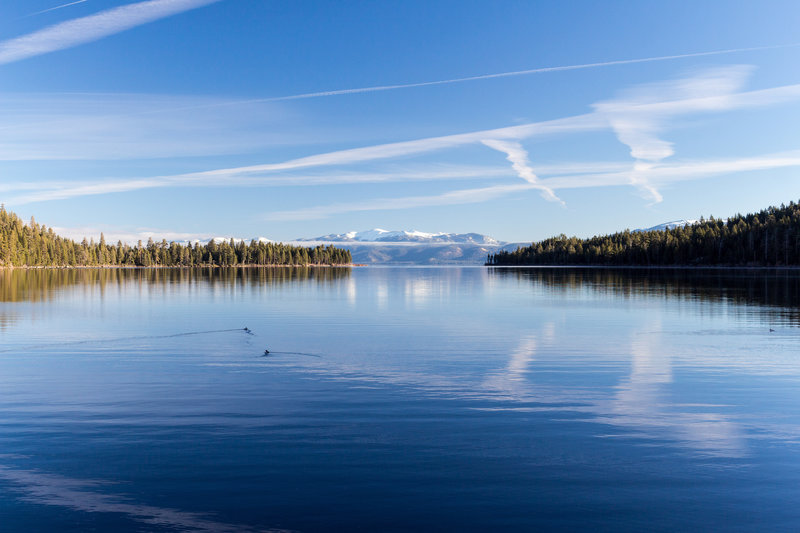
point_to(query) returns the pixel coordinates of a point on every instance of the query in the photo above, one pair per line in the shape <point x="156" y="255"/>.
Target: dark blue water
<point x="399" y="399"/>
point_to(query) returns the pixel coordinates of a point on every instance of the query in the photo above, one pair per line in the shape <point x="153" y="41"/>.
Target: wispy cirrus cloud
<point x="92" y="28"/>
<point x="647" y="113"/>
<point x="77" y="126"/>
<point x="193" y="106"/>
<point x="130" y="235"/>
<point x="667" y="173"/>
<point x="526" y="72"/>
<point x="587" y="122"/>
<point x="73" y="128"/>
<point x="659" y="175"/>
<point x="464" y="196"/>
<point x="518" y="157"/>
<point x="32" y="191"/>
<point x="638" y="118"/>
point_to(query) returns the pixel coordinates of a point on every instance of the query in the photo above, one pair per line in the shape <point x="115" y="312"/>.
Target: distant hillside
<point x="35" y="245"/>
<point x="420" y="254"/>
<point x="384" y="247"/>
<point x="382" y="235"/>
<point x="768" y="238"/>
<point x="668" y="225"/>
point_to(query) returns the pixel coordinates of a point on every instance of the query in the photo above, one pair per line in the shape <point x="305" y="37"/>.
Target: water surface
<point x="399" y="399"/>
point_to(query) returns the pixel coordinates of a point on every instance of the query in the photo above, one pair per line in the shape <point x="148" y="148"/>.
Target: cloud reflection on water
<point x="86" y="496"/>
<point x="642" y="402"/>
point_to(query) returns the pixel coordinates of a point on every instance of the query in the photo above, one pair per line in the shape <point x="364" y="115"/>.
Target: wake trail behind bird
<point x="121" y="339"/>
<point x="292" y="353"/>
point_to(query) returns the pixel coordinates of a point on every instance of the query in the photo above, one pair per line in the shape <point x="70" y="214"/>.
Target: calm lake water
<point x="399" y="399"/>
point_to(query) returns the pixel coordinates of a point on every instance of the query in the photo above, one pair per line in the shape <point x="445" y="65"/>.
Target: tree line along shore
<point x="34" y="245"/>
<point x="769" y="238"/>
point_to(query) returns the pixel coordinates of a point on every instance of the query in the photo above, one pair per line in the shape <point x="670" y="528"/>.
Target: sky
<point x="185" y="119"/>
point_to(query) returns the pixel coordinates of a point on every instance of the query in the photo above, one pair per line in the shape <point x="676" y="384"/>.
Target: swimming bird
<point x="266" y="352"/>
<point x="771" y="330"/>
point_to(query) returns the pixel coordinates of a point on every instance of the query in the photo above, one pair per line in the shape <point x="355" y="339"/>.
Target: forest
<point x="768" y="238"/>
<point x="34" y="245"/>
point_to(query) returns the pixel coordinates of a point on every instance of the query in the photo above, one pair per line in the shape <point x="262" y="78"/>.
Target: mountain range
<point x="668" y="225"/>
<point x="382" y="235"/>
<point x="380" y="246"/>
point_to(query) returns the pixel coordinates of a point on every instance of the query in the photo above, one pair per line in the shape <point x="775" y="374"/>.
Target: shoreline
<point x="791" y="268"/>
<point x="158" y="267"/>
<point x="656" y="267"/>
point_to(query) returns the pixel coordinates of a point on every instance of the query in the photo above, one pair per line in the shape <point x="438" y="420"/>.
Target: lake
<point x="399" y="399"/>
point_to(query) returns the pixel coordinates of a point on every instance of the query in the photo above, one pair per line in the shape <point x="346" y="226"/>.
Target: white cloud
<point x="637" y="117"/>
<point x="663" y="174"/>
<point x="48" y="191"/>
<point x="588" y="122"/>
<point x="122" y="126"/>
<point x="465" y="196"/>
<point x="658" y="175"/>
<point x="644" y="116"/>
<point x="130" y="236"/>
<point x="518" y="157"/>
<point x="87" y="29"/>
<point x="640" y="114"/>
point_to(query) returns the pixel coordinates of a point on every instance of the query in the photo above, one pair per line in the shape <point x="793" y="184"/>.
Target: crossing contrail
<point x="541" y="70"/>
<point x="54" y="8"/>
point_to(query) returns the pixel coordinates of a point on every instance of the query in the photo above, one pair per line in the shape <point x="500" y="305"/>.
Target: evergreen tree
<point x="768" y="238"/>
<point x="34" y="245"/>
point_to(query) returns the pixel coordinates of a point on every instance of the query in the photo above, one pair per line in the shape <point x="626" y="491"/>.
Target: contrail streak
<point x="54" y="8"/>
<point x="420" y="84"/>
<point x="517" y="73"/>
<point x="541" y="70"/>
<point x="83" y="30"/>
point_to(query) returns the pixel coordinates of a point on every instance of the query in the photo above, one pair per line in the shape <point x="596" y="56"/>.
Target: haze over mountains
<point x="379" y="246"/>
<point x="382" y="235"/>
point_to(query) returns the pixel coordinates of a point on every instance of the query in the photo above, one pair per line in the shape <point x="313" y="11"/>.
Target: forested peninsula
<point x="34" y="245"/>
<point x="769" y="238"/>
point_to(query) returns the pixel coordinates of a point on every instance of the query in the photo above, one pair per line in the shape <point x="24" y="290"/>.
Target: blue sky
<point x="194" y="118"/>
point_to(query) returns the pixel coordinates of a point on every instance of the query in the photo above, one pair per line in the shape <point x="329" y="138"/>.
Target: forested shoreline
<point x="769" y="238"/>
<point x="35" y="245"/>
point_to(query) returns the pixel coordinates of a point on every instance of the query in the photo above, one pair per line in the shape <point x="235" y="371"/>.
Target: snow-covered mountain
<point x="218" y="240"/>
<point x="668" y="225"/>
<point x="383" y="236"/>
<point x="379" y="246"/>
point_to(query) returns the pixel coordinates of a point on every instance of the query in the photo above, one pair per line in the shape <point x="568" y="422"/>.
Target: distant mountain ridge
<point x="384" y="236"/>
<point x="669" y="225"/>
<point x="380" y="246"/>
<point x="403" y="247"/>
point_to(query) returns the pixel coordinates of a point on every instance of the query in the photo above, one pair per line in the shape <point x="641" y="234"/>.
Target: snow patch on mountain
<point x="378" y="235"/>
<point x="668" y="225"/>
